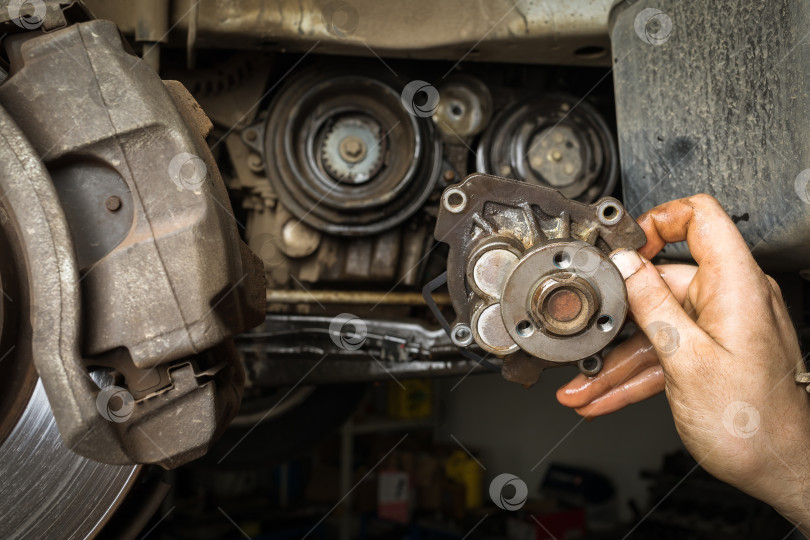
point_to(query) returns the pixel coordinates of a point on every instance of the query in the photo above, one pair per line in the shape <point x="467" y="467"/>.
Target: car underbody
<point x="207" y="205"/>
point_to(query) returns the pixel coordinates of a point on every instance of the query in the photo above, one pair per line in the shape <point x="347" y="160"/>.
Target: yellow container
<point x="461" y="468"/>
<point x="414" y="399"/>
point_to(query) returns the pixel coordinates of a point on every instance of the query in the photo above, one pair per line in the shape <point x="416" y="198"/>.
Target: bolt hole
<point x="454" y="200"/>
<point x="562" y="260"/>
<point x="524" y="328"/>
<point x="590" y="363"/>
<point x="590" y="366"/>
<point x="462" y="335"/>
<point x="604" y="323"/>
<point x="456" y="110"/>
<point x="610" y="212"/>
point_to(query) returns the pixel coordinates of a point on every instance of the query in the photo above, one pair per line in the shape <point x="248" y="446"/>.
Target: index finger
<point x="713" y="239"/>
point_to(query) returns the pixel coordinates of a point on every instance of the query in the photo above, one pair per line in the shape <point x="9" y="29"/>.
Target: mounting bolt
<point x="113" y="203"/>
<point x="352" y="149"/>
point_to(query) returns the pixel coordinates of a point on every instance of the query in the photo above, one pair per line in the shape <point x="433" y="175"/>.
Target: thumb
<point x="655" y="309"/>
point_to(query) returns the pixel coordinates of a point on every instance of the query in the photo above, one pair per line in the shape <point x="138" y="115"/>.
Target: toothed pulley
<point x="344" y="155"/>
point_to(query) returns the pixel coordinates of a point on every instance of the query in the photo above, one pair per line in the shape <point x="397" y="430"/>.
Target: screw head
<point x="113" y="203"/>
<point x="352" y="149"/>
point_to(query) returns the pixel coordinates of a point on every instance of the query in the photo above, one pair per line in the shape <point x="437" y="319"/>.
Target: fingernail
<point x="628" y="261"/>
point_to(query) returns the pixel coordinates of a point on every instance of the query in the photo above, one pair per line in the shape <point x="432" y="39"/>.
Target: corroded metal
<point x="157" y="305"/>
<point x="528" y="270"/>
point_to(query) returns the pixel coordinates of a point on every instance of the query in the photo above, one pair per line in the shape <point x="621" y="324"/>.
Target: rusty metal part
<point x="308" y="122"/>
<point x="600" y="289"/>
<point x="528" y="271"/>
<point x="552" y="140"/>
<point x="572" y="32"/>
<point x="276" y="296"/>
<point x="564" y="305"/>
<point x="564" y="302"/>
<point x="169" y="291"/>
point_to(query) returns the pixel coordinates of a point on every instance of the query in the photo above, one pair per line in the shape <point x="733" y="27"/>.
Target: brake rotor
<point x="47" y="490"/>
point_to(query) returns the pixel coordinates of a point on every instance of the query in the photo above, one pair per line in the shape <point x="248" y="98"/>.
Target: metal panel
<point x="713" y="97"/>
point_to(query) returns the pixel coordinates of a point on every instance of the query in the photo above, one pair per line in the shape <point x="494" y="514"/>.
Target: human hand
<point x="718" y="340"/>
